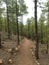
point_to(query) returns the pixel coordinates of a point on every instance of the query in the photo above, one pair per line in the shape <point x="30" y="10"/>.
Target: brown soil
<point x="22" y="57"/>
<point x="44" y="58"/>
<point x="25" y="57"/>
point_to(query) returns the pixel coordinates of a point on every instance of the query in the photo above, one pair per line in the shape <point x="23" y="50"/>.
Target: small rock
<point x="16" y="48"/>
<point x="32" y="53"/>
<point x="10" y="61"/>
<point x="9" y="50"/>
<point x="1" y="61"/>
<point x="38" y="63"/>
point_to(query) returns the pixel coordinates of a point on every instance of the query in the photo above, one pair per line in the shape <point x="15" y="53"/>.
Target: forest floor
<point x="24" y="56"/>
<point x="43" y="56"/>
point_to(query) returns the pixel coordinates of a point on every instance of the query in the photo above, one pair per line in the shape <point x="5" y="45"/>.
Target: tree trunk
<point x="0" y="31"/>
<point x="36" y="32"/>
<point x="47" y="31"/>
<point x="8" y="21"/>
<point x="28" y="29"/>
<point x="17" y="23"/>
<point x="0" y="41"/>
<point x="41" y="33"/>
<point x="21" y="26"/>
<point x="46" y="40"/>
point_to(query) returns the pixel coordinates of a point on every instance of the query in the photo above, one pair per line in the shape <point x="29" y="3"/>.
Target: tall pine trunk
<point x="21" y="26"/>
<point x="0" y="31"/>
<point x="36" y="32"/>
<point x="0" y="41"/>
<point x="28" y="29"/>
<point x="41" y="33"/>
<point x="46" y="40"/>
<point x="8" y="21"/>
<point x="47" y="31"/>
<point x="17" y="23"/>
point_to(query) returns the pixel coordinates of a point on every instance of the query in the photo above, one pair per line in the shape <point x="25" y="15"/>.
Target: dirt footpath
<point x="25" y="57"/>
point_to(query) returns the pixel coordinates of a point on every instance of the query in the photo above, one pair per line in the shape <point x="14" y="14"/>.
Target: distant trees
<point x="41" y="27"/>
<point x="20" y="12"/>
<point x="15" y="9"/>
<point x="0" y="23"/>
<point x="1" y="13"/>
<point x="45" y="24"/>
<point x="23" y="11"/>
<point x="31" y="28"/>
<point x="9" y="21"/>
<point x="29" y="24"/>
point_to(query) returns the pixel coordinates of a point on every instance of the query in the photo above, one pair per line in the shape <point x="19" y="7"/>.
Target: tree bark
<point x="36" y="32"/>
<point x="8" y="21"/>
<point x="46" y="40"/>
<point x="47" y="31"/>
<point x="21" y="26"/>
<point x="41" y="33"/>
<point x="0" y="41"/>
<point x="17" y="24"/>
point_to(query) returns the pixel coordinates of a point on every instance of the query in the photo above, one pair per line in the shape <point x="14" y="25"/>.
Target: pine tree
<point x="36" y="32"/>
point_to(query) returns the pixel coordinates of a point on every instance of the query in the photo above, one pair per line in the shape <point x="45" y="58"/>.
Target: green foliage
<point x="29" y="28"/>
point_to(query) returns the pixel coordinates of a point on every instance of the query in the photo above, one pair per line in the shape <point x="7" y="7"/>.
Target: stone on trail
<point x="17" y="49"/>
<point x="1" y="61"/>
<point x="32" y="53"/>
<point x="10" y="61"/>
<point x="9" y="50"/>
<point x="37" y="63"/>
